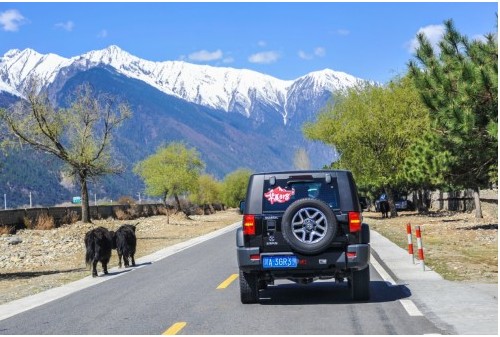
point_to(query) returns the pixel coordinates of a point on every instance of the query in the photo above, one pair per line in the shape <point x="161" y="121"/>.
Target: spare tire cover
<point x="309" y="226"/>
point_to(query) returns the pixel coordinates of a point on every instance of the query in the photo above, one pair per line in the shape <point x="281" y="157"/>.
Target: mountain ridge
<point x="221" y="88"/>
<point x="233" y="117"/>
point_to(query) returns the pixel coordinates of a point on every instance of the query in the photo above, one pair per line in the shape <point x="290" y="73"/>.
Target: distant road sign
<point x="77" y="200"/>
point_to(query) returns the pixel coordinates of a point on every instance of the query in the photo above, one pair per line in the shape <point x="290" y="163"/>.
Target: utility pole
<point x="139" y="197"/>
<point x="5" y="201"/>
<point x="31" y="203"/>
<point x="95" y="199"/>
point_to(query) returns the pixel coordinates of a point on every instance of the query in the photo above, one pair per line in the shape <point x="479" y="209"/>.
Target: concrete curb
<point x="455" y="307"/>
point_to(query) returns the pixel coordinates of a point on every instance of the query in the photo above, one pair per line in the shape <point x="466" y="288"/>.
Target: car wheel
<point x="360" y="284"/>
<point x="365" y="233"/>
<point x="249" y="287"/>
<point x="309" y="226"/>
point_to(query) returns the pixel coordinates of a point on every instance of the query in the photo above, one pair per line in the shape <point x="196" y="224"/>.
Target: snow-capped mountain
<point x="227" y="89"/>
<point x="234" y="117"/>
<point x="17" y="66"/>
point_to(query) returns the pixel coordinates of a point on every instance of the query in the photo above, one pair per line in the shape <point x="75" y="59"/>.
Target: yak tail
<point x="90" y="247"/>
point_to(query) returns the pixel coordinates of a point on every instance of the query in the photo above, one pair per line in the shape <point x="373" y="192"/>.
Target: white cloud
<point x="265" y="57"/>
<point x="11" y="19"/>
<point x="262" y="43"/>
<point x="204" y="55"/>
<point x="102" y="34"/>
<point x="320" y="51"/>
<point x="67" y="26"/>
<point x="228" y="59"/>
<point x="342" y="32"/>
<point x="305" y="56"/>
<point x="434" y="33"/>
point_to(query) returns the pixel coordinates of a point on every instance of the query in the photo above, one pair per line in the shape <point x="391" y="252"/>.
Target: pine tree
<point x="423" y="169"/>
<point x="460" y="87"/>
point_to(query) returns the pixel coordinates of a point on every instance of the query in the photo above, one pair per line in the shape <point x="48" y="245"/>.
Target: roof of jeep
<point x="299" y="172"/>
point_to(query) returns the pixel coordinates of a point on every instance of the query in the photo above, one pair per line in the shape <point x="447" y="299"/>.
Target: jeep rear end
<point x="301" y="226"/>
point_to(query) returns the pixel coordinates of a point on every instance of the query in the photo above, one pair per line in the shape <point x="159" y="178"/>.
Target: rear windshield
<point x="279" y="196"/>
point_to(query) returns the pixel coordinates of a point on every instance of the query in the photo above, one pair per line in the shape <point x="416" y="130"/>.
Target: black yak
<point x="98" y="244"/>
<point x="384" y="208"/>
<point x="125" y="242"/>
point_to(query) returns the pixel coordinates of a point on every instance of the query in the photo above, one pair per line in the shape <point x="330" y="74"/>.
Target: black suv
<point x="302" y="226"/>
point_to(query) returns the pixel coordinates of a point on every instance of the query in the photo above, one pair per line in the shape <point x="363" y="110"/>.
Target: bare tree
<point x="79" y="135"/>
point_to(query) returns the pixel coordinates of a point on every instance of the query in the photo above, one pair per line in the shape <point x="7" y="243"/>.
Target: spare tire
<point x="309" y="226"/>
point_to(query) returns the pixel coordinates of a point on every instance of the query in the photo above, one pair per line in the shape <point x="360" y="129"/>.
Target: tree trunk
<point x="422" y="205"/>
<point x="390" y="199"/>
<point x="166" y="207"/>
<point x="419" y="205"/>
<point x="427" y="199"/>
<point x="177" y="202"/>
<point x="85" y="199"/>
<point x="477" y="203"/>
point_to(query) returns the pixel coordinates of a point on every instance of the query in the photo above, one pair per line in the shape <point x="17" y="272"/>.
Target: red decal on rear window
<point x="279" y="195"/>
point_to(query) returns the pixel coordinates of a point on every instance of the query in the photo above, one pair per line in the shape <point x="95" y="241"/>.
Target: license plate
<point x="287" y="261"/>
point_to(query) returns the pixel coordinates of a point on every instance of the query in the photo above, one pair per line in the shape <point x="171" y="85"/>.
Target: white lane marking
<point x="411" y="308"/>
<point x="385" y="275"/>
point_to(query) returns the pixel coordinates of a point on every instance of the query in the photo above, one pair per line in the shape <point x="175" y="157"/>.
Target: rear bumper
<point x="355" y="257"/>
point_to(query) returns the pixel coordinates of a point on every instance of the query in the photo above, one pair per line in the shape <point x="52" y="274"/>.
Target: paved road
<point x="180" y="292"/>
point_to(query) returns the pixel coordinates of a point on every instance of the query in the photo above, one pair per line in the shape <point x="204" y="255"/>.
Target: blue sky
<point x="285" y="40"/>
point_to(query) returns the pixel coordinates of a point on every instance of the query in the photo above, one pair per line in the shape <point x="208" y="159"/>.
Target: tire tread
<point x="249" y="290"/>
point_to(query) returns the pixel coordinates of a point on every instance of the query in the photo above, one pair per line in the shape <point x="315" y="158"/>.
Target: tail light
<point x="248" y="224"/>
<point x="354" y="222"/>
<point x="255" y="257"/>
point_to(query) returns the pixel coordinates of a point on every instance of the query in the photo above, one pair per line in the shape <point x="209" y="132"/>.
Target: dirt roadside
<point x="456" y="245"/>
